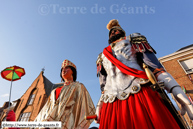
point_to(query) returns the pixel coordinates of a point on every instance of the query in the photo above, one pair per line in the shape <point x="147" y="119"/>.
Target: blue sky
<point x="42" y="33"/>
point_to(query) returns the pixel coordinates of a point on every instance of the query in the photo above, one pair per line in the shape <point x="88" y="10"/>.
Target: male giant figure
<point x="127" y="101"/>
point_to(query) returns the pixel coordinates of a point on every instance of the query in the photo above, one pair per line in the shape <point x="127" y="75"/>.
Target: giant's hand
<point x="184" y="101"/>
<point x="172" y="86"/>
<point x="122" y="50"/>
<point x="98" y="110"/>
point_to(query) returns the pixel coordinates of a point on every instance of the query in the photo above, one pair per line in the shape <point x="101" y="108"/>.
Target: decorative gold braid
<point x="138" y="39"/>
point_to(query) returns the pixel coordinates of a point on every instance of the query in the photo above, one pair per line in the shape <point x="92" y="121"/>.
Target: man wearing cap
<point x="127" y="101"/>
<point x="69" y="103"/>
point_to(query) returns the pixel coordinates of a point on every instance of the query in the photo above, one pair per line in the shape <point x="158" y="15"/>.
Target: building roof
<point x="48" y="86"/>
<point x="191" y="45"/>
<point x="187" y="50"/>
<point x="58" y="84"/>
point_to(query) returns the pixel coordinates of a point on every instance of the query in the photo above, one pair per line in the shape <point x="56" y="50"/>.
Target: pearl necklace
<point x="67" y="83"/>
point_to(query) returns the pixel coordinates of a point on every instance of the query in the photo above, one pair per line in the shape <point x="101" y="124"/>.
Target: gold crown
<point x="66" y="63"/>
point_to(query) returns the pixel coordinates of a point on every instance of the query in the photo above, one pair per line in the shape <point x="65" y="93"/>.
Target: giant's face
<point x="66" y="73"/>
<point x="114" y="32"/>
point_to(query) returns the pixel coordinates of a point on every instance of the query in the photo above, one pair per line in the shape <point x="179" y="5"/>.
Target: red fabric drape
<point x="57" y="93"/>
<point x="123" y="68"/>
<point x="144" y="110"/>
<point x="11" y="117"/>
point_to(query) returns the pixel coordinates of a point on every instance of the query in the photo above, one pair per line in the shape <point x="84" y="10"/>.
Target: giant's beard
<point x="116" y="37"/>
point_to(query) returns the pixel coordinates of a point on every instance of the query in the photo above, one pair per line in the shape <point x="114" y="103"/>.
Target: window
<point x="31" y="99"/>
<point x="187" y="64"/>
<point x="25" y="116"/>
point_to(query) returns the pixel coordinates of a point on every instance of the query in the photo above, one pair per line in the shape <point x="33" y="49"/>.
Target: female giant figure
<point x="69" y="103"/>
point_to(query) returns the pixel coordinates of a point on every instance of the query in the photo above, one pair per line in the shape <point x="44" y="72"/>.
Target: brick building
<point x="31" y="102"/>
<point x="180" y="65"/>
